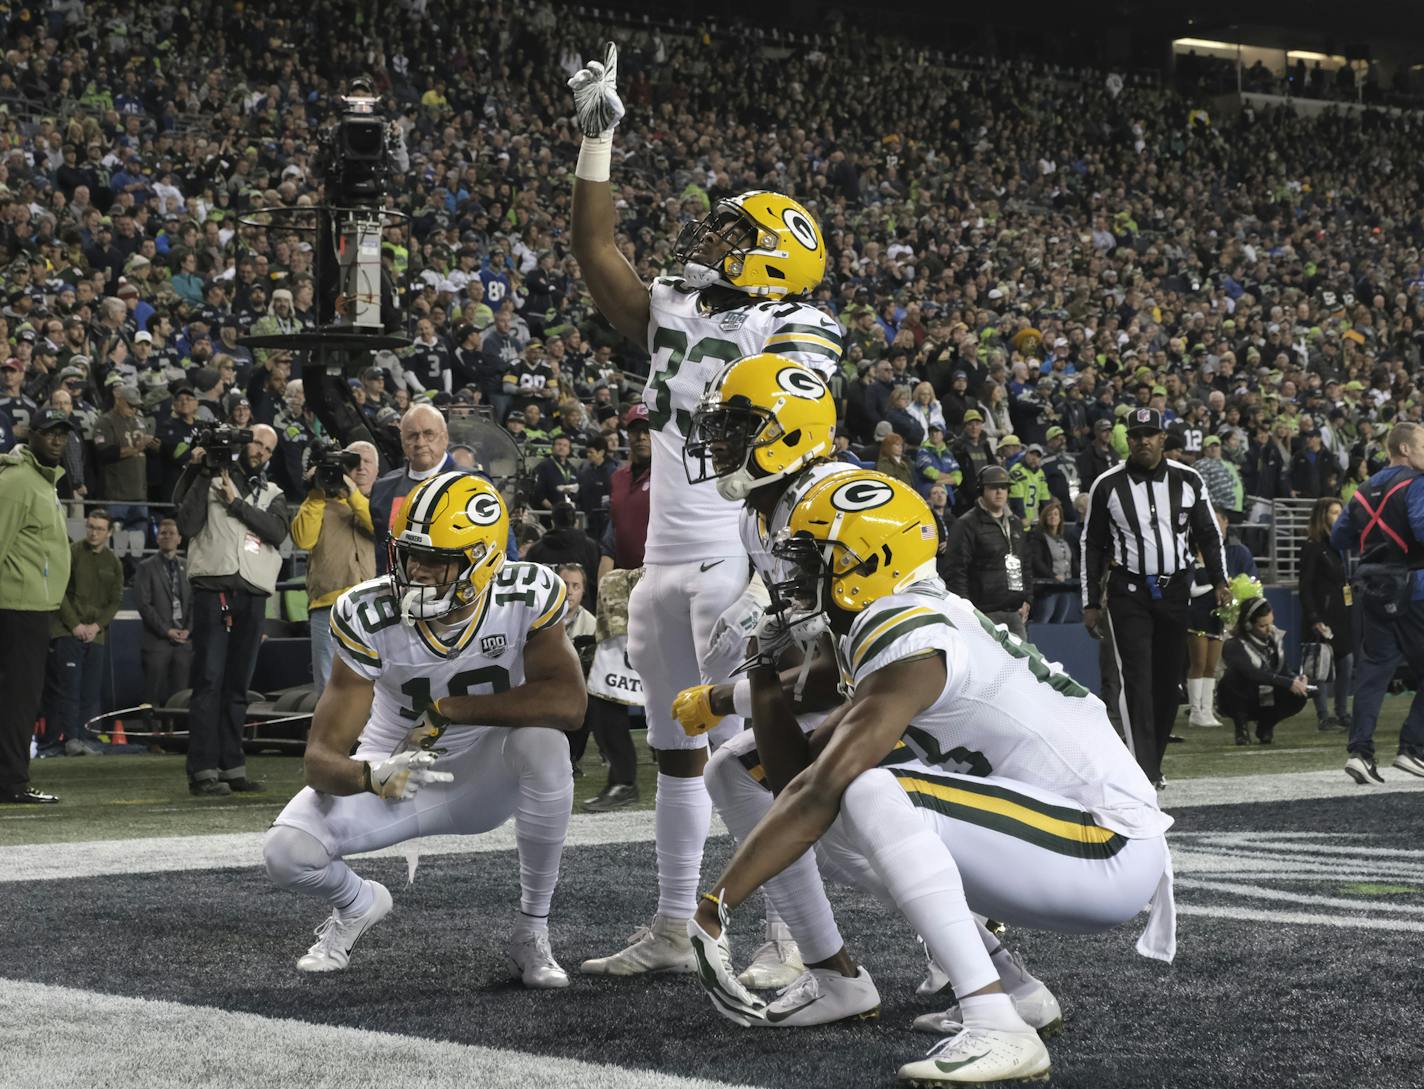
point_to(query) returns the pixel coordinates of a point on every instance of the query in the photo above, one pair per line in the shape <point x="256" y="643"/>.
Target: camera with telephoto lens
<point x="333" y="465"/>
<point x="222" y="445"/>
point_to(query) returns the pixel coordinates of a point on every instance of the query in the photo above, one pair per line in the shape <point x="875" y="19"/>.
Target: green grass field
<point x="120" y="797"/>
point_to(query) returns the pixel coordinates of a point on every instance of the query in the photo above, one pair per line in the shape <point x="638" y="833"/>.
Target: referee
<point x="1147" y="518"/>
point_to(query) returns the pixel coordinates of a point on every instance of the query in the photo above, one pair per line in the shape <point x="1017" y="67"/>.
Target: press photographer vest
<point x="1379" y="513"/>
<point x="227" y="547"/>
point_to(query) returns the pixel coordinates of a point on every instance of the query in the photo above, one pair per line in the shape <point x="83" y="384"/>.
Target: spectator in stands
<point x="1028" y="486"/>
<point x="1055" y="567"/>
<point x="123" y="439"/>
<point x="1221" y="477"/>
<point x="892" y="461"/>
<point x="71" y="485"/>
<point x="901" y="419"/>
<point x="973" y="453"/>
<point x="595" y="480"/>
<point x="934" y="464"/>
<point x="1257" y="687"/>
<point x="34" y="575"/>
<point x="338" y="533"/>
<point x="1309" y="467"/>
<point x="78" y="633"/>
<point x="556" y="477"/>
<point x="1099" y="457"/>
<point x="164" y="600"/>
<point x="988" y="557"/>
<point x="425" y="441"/>
<point x="234" y="519"/>
<point x="177" y="435"/>
<point x="565" y="542"/>
<point x="926" y="409"/>
<point x="1327" y="608"/>
<point x="15" y="404"/>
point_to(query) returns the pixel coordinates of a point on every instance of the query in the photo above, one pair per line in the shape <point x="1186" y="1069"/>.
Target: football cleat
<point x="1035" y="1004"/>
<point x="714" y="972"/>
<point x="1410" y="762"/>
<point x="822" y="996"/>
<point x="533" y="958"/>
<point x="1363" y="771"/>
<point x="776" y="964"/>
<point x="977" y="1056"/>
<point x="336" y="937"/>
<point x="662" y="946"/>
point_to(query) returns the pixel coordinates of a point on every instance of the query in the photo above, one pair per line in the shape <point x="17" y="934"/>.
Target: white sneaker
<point x="1036" y="1005"/>
<point x="1407" y="761"/>
<point x="533" y="958"/>
<point x="974" y="1056"/>
<point x="1363" y="771"/>
<point x="662" y="946"/>
<point x="336" y="937"/>
<point x="822" y="996"/>
<point x="776" y="964"/>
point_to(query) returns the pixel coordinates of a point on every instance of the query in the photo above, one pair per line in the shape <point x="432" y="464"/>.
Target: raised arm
<point x="617" y="290"/>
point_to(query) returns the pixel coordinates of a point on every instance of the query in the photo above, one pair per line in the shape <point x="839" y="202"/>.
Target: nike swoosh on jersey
<point x="711" y="564"/>
<point x="778" y="1017"/>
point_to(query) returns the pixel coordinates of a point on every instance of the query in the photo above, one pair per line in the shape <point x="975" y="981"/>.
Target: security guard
<point x="1384" y="522"/>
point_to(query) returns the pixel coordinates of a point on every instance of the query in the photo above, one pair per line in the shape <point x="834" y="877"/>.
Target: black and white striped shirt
<point x="1148" y="523"/>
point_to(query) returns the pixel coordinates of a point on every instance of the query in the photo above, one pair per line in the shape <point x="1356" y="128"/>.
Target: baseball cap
<point x="993" y="476"/>
<point x="1212" y="440"/>
<point x="1103" y="425"/>
<point x="1144" y="419"/>
<point x="1010" y="440"/>
<point x="637" y="415"/>
<point x="184" y="387"/>
<point x="972" y="415"/>
<point x="1033" y="448"/>
<point x="12" y="364"/>
<point x="373" y="372"/>
<point x="130" y="394"/>
<point x="514" y="417"/>
<point x="72" y="372"/>
<point x="50" y="417"/>
<point x="143" y="337"/>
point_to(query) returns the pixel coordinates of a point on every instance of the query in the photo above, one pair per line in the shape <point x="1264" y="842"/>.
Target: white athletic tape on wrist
<point x="742" y="697"/>
<point x="594" y="158"/>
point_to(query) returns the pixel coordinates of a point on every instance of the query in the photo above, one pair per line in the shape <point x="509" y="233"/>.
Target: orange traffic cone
<point x="119" y="737"/>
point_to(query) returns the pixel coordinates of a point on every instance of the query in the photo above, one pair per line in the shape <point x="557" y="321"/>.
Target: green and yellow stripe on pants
<point x="1057" y="828"/>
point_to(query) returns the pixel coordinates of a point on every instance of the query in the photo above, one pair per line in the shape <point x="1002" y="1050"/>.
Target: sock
<point x="361" y="902"/>
<point x="921" y="876"/>
<point x="541" y="816"/>
<point x="682" y="815"/>
<point x="992" y="1011"/>
<point x="795" y="896"/>
<point x="530" y="924"/>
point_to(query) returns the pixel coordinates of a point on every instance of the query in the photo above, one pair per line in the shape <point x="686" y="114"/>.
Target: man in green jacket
<point x="1028" y="486"/>
<point x="77" y="636"/>
<point x="34" y="573"/>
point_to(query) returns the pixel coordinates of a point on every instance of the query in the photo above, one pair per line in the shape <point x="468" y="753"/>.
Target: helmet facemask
<point x="423" y="601"/>
<point x="723" y="443"/>
<point x="726" y="224"/>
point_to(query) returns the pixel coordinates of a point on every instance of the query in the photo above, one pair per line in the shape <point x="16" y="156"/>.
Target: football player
<point x="1047" y="821"/>
<point x="455" y="680"/>
<point x="763" y="432"/>
<point x="744" y="269"/>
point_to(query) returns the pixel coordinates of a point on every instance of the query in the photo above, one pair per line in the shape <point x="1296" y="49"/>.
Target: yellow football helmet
<point x="854" y="538"/>
<point x="762" y="418"/>
<point x="760" y="243"/>
<point x="452" y="517"/>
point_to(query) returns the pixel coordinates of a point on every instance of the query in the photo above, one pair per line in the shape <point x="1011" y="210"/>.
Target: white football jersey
<point x="759" y="534"/>
<point x="413" y="666"/>
<point x="1004" y="711"/>
<point x="688" y="347"/>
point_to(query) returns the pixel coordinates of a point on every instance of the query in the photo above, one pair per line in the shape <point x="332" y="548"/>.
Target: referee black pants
<point x="1149" y="637"/>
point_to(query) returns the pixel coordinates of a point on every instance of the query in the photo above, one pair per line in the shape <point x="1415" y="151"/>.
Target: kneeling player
<point x="1045" y="822"/>
<point x="455" y="679"/>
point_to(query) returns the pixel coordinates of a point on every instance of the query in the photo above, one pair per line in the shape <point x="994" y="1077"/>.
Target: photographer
<point x="234" y="520"/>
<point x="340" y="537"/>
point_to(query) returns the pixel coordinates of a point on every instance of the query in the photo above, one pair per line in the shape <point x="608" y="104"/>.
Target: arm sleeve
<point x="809" y="337"/>
<point x="960" y="555"/>
<point x="354" y="646"/>
<point x="113" y="592"/>
<point x="68" y="614"/>
<point x="143" y="601"/>
<point x="1042" y="558"/>
<point x="1095" y="544"/>
<point x="190" y="499"/>
<point x="1206" y="531"/>
<point x="306" y="526"/>
<point x="270" y="524"/>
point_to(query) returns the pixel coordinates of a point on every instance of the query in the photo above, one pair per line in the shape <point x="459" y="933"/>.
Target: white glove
<point x="714" y="972"/>
<point x="727" y="641"/>
<point x="597" y="107"/>
<point x="399" y="777"/>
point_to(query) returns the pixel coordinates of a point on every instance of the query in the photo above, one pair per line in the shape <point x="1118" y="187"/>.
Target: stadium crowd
<point x="1018" y="257"/>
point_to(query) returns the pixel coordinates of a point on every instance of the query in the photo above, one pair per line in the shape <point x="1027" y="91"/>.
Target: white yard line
<point x="58" y="1036"/>
<point x="1300" y="918"/>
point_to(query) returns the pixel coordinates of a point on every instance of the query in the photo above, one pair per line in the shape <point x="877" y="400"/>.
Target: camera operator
<point x="234" y="519"/>
<point x="334" y="525"/>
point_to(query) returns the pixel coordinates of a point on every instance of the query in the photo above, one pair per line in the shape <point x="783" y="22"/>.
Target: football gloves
<point x="597" y="107"/>
<point x="693" y="710"/>
<point x="398" y="778"/>
<point x="427" y="731"/>
<point x="714" y="972"/>
<point x="727" y="641"/>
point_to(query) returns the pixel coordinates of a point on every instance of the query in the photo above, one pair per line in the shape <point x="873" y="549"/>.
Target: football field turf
<point x="152" y="951"/>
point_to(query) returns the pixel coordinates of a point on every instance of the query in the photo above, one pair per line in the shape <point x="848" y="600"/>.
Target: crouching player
<point x="1044" y="821"/>
<point x="455" y="680"/>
